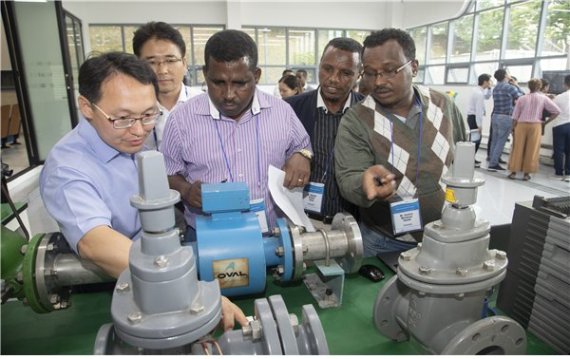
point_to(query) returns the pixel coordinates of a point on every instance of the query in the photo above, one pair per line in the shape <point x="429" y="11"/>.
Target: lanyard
<point x="418" y="102"/>
<point x="258" y="147"/>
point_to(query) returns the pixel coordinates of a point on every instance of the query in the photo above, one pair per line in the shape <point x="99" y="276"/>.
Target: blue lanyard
<point x="418" y="102"/>
<point x="258" y="147"/>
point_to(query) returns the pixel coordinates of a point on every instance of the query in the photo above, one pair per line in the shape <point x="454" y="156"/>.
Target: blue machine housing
<point x="230" y="245"/>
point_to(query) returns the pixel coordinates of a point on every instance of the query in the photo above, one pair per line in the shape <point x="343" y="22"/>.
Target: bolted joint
<point x="279" y="251"/>
<point x="424" y="270"/>
<point x="276" y="232"/>
<point x="489" y="265"/>
<point x="134" y="317"/>
<point x="501" y="255"/>
<point x="405" y="256"/>
<point x="161" y="261"/>
<point x="24" y="249"/>
<point x="460" y="271"/>
<point x="54" y="298"/>
<point x="122" y="287"/>
<point x="196" y="307"/>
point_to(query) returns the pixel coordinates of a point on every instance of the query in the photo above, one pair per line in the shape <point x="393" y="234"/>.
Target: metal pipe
<point x="68" y="269"/>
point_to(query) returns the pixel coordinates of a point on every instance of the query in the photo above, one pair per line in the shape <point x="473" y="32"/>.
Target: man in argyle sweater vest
<point x="379" y="140"/>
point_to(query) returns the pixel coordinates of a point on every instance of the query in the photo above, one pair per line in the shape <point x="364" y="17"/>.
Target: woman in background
<point x="527" y="120"/>
<point x="289" y="85"/>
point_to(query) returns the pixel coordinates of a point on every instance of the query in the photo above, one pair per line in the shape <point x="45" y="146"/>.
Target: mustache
<point x="381" y="88"/>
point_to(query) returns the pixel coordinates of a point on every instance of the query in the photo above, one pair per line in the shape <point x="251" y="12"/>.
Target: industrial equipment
<point x="160" y="307"/>
<point x="438" y="295"/>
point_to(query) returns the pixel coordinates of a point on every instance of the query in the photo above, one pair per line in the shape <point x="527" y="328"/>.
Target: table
<point x="349" y="329"/>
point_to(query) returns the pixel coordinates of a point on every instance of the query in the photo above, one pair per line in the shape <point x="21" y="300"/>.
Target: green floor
<point x="349" y="329"/>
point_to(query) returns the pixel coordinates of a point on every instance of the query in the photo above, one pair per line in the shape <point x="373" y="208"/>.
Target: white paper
<point x="290" y="201"/>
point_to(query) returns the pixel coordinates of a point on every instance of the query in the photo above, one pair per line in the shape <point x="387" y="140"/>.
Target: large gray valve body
<point x="160" y="307"/>
<point x="436" y="300"/>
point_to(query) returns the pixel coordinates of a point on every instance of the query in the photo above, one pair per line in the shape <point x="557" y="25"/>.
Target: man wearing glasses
<point x="392" y="149"/>
<point x="163" y="47"/>
<point x="90" y="174"/>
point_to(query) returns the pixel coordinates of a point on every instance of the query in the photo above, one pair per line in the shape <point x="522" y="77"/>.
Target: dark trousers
<point x="561" y="147"/>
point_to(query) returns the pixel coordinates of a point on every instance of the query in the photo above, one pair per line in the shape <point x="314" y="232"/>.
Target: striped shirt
<point x="504" y="95"/>
<point x="322" y="169"/>
<point x="529" y="107"/>
<point x="199" y="143"/>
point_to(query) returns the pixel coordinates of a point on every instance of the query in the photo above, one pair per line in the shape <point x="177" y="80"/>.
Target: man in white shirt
<point x="476" y="110"/>
<point x="163" y="47"/>
<point x="561" y="134"/>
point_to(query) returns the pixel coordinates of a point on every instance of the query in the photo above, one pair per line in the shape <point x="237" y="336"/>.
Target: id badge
<point x="257" y="206"/>
<point x="313" y="196"/>
<point x="406" y="216"/>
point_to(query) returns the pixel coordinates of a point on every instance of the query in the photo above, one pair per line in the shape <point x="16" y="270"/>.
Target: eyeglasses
<point x="169" y="62"/>
<point x="126" y="122"/>
<point x="368" y="75"/>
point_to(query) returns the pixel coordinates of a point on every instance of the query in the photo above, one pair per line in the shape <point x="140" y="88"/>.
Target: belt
<point x="320" y="217"/>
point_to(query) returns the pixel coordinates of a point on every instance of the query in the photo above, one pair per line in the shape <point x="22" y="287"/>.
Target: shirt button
<point x="240" y="175"/>
<point x="239" y="149"/>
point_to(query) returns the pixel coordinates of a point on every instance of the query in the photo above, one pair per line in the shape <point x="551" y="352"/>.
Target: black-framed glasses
<point x="168" y="61"/>
<point x="368" y="75"/>
<point x="126" y="121"/>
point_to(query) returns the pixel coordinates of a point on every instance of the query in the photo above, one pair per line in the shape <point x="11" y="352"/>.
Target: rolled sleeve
<point x="74" y="203"/>
<point x="298" y="136"/>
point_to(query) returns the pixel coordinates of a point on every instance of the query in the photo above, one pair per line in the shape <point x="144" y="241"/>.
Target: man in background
<point x="163" y="48"/>
<point x="303" y="76"/>
<point x="561" y="134"/>
<point x="320" y="112"/>
<point x="504" y="96"/>
<point x="476" y="110"/>
<point x="392" y="148"/>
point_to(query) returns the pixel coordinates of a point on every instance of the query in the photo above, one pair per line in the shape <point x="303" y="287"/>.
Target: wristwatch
<point x="306" y="153"/>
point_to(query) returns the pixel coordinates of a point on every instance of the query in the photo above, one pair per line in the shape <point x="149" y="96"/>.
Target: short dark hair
<point x="545" y="83"/>
<point x="500" y="74"/>
<point x="160" y="31"/>
<point x="95" y="70"/>
<point x="229" y="46"/>
<point x="292" y="82"/>
<point x="345" y="44"/>
<point x="483" y="78"/>
<point x="287" y="71"/>
<point x="378" y="38"/>
<point x="567" y="80"/>
<point x="302" y="71"/>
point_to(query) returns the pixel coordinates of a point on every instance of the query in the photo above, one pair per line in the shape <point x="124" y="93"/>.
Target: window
<point x="461" y="31"/>
<point x="106" y="38"/>
<point x="457" y="75"/>
<point x="489" y="35"/>
<point x="438" y="45"/>
<point x="420" y="37"/>
<point x="301" y="47"/>
<point x="522" y="30"/>
<point x="557" y="28"/>
<point x="119" y="38"/>
<point x="479" y="43"/>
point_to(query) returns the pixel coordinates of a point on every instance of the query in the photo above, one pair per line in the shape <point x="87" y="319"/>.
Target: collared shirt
<point x="504" y="95"/>
<point x="563" y="101"/>
<point x="477" y="104"/>
<point x="86" y="183"/>
<point x="268" y="134"/>
<point x="322" y="169"/>
<point x="529" y="107"/>
<point x="155" y="138"/>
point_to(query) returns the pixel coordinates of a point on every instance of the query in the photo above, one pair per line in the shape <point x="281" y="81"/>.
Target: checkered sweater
<point x="369" y="135"/>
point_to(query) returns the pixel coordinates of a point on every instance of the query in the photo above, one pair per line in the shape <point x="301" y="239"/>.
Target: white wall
<point x="362" y="14"/>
